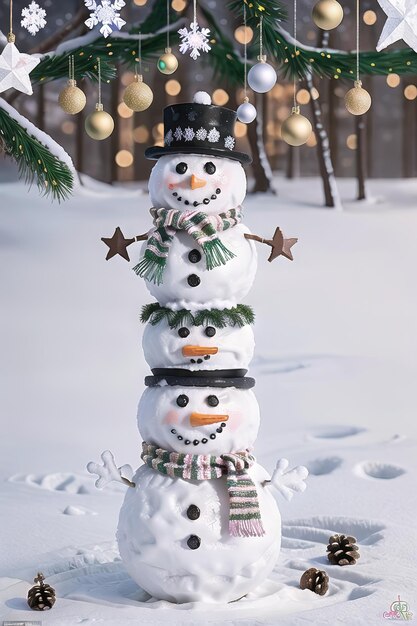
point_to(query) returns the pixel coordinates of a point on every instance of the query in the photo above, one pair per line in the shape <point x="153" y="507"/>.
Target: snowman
<point x="199" y="521"/>
<point x="198" y="255"/>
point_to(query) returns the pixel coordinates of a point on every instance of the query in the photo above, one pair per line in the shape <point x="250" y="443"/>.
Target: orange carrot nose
<point x="198" y="350"/>
<point x="195" y="182"/>
<point x="201" y="419"/>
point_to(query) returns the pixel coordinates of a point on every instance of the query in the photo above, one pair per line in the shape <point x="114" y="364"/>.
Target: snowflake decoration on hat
<point x="213" y="135"/>
<point x="33" y="18"/>
<point x="106" y="13"/>
<point x="189" y="133"/>
<point x="401" y="23"/>
<point x="201" y="134"/>
<point x="178" y="133"/>
<point x="229" y="142"/>
<point x="194" y="40"/>
<point x="168" y="138"/>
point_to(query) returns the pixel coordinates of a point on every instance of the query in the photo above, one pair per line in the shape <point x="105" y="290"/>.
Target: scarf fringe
<point x="216" y="253"/>
<point x="246" y="528"/>
<point x="151" y="269"/>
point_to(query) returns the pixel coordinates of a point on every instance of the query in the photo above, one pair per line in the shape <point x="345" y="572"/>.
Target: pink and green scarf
<point x="244" y="513"/>
<point x="201" y="226"/>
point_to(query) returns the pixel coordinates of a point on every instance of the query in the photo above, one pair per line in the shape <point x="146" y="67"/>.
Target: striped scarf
<point x="202" y="227"/>
<point x="244" y="514"/>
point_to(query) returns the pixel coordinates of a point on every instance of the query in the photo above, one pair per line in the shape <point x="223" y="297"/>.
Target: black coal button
<point x="193" y="280"/>
<point x="193" y="542"/>
<point x="193" y="512"/>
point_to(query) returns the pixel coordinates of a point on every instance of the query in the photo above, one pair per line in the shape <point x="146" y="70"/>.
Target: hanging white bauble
<point x="246" y="112"/>
<point x="262" y="76"/>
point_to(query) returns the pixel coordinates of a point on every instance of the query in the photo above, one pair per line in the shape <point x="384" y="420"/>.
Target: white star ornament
<point x="15" y="69"/>
<point x="401" y="23"/>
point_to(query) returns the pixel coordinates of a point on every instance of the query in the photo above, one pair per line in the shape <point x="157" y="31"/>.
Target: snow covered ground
<point x="336" y="365"/>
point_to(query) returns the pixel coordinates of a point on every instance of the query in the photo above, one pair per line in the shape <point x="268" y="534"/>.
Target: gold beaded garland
<point x="99" y="124"/>
<point x="167" y="62"/>
<point x="296" y="129"/>
<point x="357" y="100"/>
<point x="327" y="14"/>
<point x="72" y="99"/>
<point x="138" y="95"/>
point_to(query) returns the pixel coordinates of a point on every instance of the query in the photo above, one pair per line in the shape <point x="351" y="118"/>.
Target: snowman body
<point x="162" y="516"/>
<point x="190" y="285"/>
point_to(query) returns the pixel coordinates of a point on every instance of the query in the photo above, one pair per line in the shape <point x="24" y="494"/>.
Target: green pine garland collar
<point x="239" y="315"/>
<point x="202" y="227"/>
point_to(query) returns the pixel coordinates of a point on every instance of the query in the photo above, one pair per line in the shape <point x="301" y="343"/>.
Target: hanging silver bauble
<point x="262" y="76"/>
<point x="246" y="112"/>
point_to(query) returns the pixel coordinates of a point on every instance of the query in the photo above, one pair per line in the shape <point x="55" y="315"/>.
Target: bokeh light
<point x="124" y="158"/>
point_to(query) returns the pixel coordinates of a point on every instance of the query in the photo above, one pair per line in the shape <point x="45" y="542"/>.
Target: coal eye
<point x="210" y="168"/>
<point x="183" y="332"/>
<point x="210" y="331"/>
<point x="181" y="168"/>
<point x="212" y="401"/>
<point x="182" y="400"/>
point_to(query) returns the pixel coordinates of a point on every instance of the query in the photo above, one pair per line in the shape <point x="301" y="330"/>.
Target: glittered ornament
<point x="357" y="100"/>
<point x="99" y="124"/>
<point x="167" y="62"/>
<point x="72" y="99"/>
<point x="138" y="95"/>
<point x="327" y="14"/>
<point x="41" y="597"/>
<point x="262" y="76"/>
<point x="296" y="129"/>
<point x="246" y="112"/>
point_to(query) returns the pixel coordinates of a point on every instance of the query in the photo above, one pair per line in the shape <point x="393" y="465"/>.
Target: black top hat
<point x="240" y="382"/>
<point x="199" y="127"/>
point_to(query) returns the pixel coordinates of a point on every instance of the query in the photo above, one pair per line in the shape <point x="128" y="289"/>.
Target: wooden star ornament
<point x="280" y="246"/>
<point x="118" y="244"/>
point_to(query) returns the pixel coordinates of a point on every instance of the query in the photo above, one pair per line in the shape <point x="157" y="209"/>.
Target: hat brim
<point x="240" y="382"/>
<point x="157" y="151"/>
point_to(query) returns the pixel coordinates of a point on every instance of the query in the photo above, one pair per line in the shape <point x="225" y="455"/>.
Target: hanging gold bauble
<point x="72" y="99"/>
<point x="99" y="124"/>
<point x="167" y="62"/>
<point x="357" y="100"/>
<point x="138" y="95"/>
<point x="327" y="14"/>
<point x="296" y="129"/>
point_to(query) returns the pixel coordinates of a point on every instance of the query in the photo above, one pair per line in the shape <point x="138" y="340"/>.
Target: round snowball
<point x="202" y="97"/>
<point x="262" y="77"/>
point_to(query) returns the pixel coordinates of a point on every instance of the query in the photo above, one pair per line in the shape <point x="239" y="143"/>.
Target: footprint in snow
<point x="320" y="467"/>
<point x="337" y="432"/>
<point x="374" y="469"/>
<point x="64" y="482"/>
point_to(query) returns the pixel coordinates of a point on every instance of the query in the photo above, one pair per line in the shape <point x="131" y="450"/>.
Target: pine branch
<point x="35" y="160"/>
<point x="240" y="315"/>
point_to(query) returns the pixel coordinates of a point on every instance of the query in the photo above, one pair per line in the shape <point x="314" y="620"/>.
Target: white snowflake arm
<point x="108" y="471"/>
<point x="288" y="482"/>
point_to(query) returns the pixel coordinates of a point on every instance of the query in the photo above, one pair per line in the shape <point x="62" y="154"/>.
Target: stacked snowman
<point x="199" y="521"/>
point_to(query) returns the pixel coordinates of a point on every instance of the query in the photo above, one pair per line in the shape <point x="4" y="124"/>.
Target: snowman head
<point x="198" y="166"/>
<point x="193" y="181"/>
<point x="199" y="420"/>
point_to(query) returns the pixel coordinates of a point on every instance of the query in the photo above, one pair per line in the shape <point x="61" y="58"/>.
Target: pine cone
<point x="315" y="580"/>
<point x="342" y="550"/>
<point x="41" y="597"/>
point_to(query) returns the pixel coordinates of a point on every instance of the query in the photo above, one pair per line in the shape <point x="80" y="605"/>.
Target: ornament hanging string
<point x="195" y="11"/>
<point x="295" y="53"/>
<point x="245" y="56"/>
<point x="139" y="57"/>
<point x="11" y="37"/>
<point x="99" y="80"/>
<point x="261" y="45"/>
<point x="357" y="41"/>
<point x="168" y="23"/>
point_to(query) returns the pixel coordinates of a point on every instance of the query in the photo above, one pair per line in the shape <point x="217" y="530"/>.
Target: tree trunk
<point x="40" y="118"/>
<point x="79" y="133"/>
<point x="114" y="137"/>
<point x="261" y="168"/>
<point x="360" y="156"/>
<point x="331" y="192"/>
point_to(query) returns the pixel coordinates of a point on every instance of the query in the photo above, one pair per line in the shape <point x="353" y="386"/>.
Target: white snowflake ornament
<point x="189" y="133"/>
<point x="194" y="40"/>
<point x="401" y="23"/>
<point x="105" y="13"/>
<point x="201" y="134"/>
<point x="33" y="18"/>
<point x="229" y="142"/>
<point x="213" y="135"/>
<point x="15" y="69"/>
